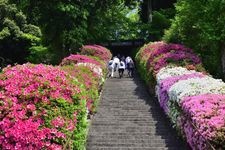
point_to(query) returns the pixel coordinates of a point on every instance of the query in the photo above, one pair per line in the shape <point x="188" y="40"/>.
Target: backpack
<point x="110" y="63"/>
<point x="131" y="65"/>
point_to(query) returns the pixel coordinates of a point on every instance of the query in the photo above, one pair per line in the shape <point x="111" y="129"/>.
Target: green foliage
<point x="91" y="83"/>
<point x="80" y="134"/>
<point x="32" y="29"/>
<point x="16" y="35"/>
<point x="39" y="54"/>
<point x="67" y="25"/>
<point x="4" y="33"/>
<point x="160" y="22"/>
<point x="199" y="24"/>
<point x="142" y="64"/>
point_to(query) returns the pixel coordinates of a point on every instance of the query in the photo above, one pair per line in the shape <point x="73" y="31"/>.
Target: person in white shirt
<point x="128" y="59"/>
<point x="111" y="66"/>
<point x="121" y="68"/>
<point x="116" y="61"/>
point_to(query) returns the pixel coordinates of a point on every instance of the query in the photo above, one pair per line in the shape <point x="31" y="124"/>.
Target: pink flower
<point x="32" y="95"/>
<point x="206" y="113"/>
<point x="74" y="59"/>
<point x="97" y="51"/>
<point x="31" y="107"/>
<point x="58" y="122"/>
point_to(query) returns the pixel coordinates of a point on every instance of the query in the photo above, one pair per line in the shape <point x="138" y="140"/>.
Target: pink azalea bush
<point x="89" y="71"/>
<point x="90" y="80"/>
<point x="94" y="63"/>
<point x="41" y="107"/>
<point x="166" y="54"/>
<point x="97" y="51"/>
<point x="74" y="59"/>
<point x="142" y="57"/>
<point x="204" y="120"/>
<point x="173" y="57"/>
<point x="160" y="49"/>
<point x="145" y="52"/>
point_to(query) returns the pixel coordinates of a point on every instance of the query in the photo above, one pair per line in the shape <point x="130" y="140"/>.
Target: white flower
<point x="196" y="86"/>
<point x="97" y="69"/>
<point x="170" y="71"/>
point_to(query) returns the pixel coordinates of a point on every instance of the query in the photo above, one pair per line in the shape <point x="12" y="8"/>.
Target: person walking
<point x="130" y="67"/>
<point x="121" y="68"/>
<point x="116" y="61"/>
<point x="111" y="66"/>
<point x="127" y="60"/>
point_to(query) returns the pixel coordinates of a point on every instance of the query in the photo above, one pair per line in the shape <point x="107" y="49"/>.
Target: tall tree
<point x="16" y="34"/>
<point x="199" y="24"/>
<point x="67" y="25"/>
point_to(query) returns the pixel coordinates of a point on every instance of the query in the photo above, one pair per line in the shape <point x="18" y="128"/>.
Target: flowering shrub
<point x="171" y="71"/>
<point x="142" y="58"/>
<point x="160" y="49"/>
<point x="191" y="87"/>
<point x="205" y="121"/>
<point x="197" y="86"/>
<point x="74" y="59"/>
<point x="40" y="108"/>
<point x="166" y="54"/>
<point x="194" y="101"/>
<point x="145" y="52"/>
<point x="97" y="51"/>
<point x="45" y="107"/>
<point x="164" y="86"/>
<point x="96" y="65"/>
<point x="91" y="81"/>
<point x="180" y="57"/>
<point x="89" y="71"/>
<point x="96" y="69"/>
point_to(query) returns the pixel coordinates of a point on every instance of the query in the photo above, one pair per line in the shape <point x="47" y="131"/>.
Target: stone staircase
<point x="129" y="118"/>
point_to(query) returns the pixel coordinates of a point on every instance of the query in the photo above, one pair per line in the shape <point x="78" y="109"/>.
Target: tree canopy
<point x="16" y="34"/>
<point x="54" y="29"/>
<point x="199" y="24"/>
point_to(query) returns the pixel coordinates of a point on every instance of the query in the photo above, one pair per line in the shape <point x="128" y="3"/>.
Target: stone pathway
<point x="129" y="118"/>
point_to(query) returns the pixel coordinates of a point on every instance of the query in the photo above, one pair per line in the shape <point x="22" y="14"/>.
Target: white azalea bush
<point x="167" y="77"/>
<point x="170" y="71"/>
<point x="197" y="86"/>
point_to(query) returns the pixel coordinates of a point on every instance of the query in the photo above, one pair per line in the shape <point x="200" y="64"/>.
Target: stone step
<point x="133" y="148"/>
<point x="124" y="103"/>
<point x="132" y="139"/>
<point x="123" y="123"/>
<point x="123" y="118"/>
<point x="138" y="122"/>
<point x="136" y="135"/>
<point x="107" y="136"/>
<point x="132" y="126"/>
<point x="133" y="144"/>
<point x="133" y="99"/>
<point x="123" y="131"/>
<point x="129" y="118"/>
<point x="123" y="96"/>
<point x="151" y="131"/>
<point x="128" y="107"/>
